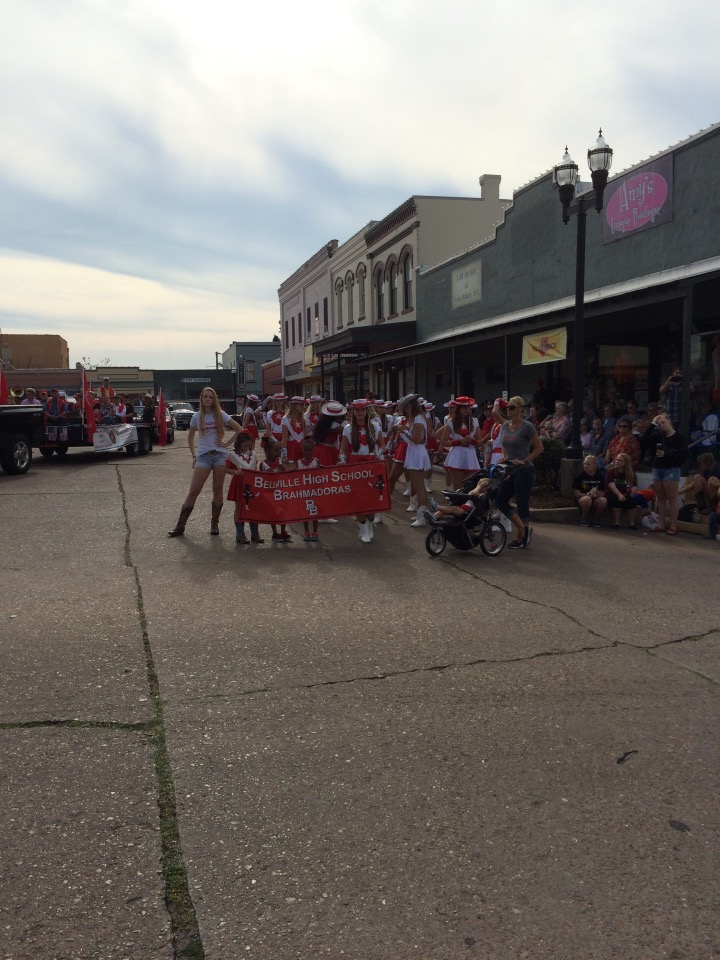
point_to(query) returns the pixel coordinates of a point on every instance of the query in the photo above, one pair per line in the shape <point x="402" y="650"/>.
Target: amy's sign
<point x="641" y="200"/>
<point x="544" y="347"/>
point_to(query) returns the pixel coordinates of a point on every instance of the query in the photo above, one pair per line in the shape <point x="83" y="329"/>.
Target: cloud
<point x="204" y="151"/>
<point x="125" y="317"/>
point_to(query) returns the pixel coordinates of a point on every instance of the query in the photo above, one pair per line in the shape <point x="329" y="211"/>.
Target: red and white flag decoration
<point x="161" y="416"/>
<point x="4" y="392"/>
<point x="88" y="399"/>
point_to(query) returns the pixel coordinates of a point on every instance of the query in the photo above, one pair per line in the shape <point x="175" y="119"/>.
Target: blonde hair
<point x="216" y="413"/>
<point x="629" y="472"/>
<point x="517" y="402"/>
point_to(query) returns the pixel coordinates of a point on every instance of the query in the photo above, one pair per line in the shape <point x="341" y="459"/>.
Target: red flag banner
<point x="4" y="392"/>
<point x="162" y="420"/>
<point x="88" y="411"/>
<point x="353" y="488"/>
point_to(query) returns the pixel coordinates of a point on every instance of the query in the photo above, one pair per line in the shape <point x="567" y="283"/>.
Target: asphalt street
<point x="285" y="752"/>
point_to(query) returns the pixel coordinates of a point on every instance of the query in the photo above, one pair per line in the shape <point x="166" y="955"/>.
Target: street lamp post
<point x="565" y="175"/>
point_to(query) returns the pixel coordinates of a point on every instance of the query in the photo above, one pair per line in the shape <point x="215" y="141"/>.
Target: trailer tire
<point x="144" y="442"/>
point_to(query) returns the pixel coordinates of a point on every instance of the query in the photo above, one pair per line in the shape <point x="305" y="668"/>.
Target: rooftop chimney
<point x="490" y="187"/>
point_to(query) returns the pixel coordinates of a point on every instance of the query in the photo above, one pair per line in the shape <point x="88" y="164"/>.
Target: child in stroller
<point x="459" y="510"/>
<point x="470" y="518"/>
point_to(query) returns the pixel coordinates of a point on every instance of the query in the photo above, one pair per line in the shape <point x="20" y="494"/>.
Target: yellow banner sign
<point x="544" y="347"/>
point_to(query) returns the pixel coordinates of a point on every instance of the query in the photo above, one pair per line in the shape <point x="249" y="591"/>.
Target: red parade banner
<point x="340" y="491"/>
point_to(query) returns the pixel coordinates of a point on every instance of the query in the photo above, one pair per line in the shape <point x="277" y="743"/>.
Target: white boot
<point x="412" y="506"/>
<point x="428" y="486"/>
<point x="377" y="519"/>
<point x="420" y="520"/>
<point x="408" y="491"/>
<point x="371" y="529"/>
<point x="365" y="531"/>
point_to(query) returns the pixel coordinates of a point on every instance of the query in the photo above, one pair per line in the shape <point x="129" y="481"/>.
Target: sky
<point x="167" y="164"/>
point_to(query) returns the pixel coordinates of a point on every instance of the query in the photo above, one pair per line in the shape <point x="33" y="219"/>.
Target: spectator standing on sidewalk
<point x="670" y="455"/>
<point x="521" y="446"/>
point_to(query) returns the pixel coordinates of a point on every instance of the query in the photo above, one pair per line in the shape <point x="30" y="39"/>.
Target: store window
<point x="393" y="290"/>
<point x="361" y="292"/>
<point x="407" y="273"/>
<point x="379" y="294"/>
<point x="622" y="374"/>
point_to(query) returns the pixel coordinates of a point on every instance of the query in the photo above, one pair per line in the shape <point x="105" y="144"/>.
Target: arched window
<point x="379" y="293"/>
<point x="349" y="284"/>
<point x="361" y="291"/>
<point x="407" y="279"/>
<point x="393" y="290"/>
<point x="338" y="303"/>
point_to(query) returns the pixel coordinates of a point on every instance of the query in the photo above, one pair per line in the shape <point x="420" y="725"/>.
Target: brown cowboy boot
<point x="179" y="529"/>
<point x="216" y="510"/>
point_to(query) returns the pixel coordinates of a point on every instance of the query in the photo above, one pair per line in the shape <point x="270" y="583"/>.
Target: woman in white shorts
<point x="417" y="459"/>
<point x="209" y="425"/>
<point x="461" y="433"/>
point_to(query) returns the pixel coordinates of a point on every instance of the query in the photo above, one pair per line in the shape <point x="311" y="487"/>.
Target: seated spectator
<point x="589" y="492"/>
<point x="631" y="408"/>
<point x="120" y="410"/>
<point x="30" y="399"/>
<point x="536" y="415"/>
<point x="620" y="486"/>
<point x="588" y="411"/>
<point x="584" y="435"/>
<point x="609" y="418"/>
<point x="709" y="427"/>
<point x="598" y="442"/>
<point x="702" y="487"/>
<point x="559" y="425"/>
<point x="624" y="442"/>
<point x="107" y="410"/>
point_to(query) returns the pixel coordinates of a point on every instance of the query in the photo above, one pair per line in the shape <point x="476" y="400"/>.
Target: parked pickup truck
<point x="21" y="429"/>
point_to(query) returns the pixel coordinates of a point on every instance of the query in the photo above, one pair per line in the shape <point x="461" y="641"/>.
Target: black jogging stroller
<point x="479" y="526"/>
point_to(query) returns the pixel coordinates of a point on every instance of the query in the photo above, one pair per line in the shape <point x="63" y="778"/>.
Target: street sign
<point x="195" y="380"/>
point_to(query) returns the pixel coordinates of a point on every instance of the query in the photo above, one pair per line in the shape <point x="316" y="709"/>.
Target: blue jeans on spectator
<point x="520" y="485"/>
<point x="713" y="522"/>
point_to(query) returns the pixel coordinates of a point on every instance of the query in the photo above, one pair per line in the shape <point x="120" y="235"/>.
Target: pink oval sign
<point x="636" y="202"/>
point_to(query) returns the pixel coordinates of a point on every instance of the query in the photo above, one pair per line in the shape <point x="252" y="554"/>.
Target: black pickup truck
<point x="21" y="429"/>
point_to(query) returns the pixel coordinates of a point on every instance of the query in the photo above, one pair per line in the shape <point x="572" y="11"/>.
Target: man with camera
<point x="672" y="391"/>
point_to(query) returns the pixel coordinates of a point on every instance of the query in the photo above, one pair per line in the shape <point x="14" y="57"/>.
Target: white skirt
<point x="417" y="457"/>
<point x="462" y="458"/>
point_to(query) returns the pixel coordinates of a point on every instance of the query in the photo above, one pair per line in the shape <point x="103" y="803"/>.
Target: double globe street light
<point x="565" y="175"/>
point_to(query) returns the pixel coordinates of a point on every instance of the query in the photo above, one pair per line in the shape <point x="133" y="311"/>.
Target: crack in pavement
<point x="462" y="664"/>
<point x="183" y="919"/>
<point x="140" y="727"/>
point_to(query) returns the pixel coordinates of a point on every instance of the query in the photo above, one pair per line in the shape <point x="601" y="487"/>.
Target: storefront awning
<point x="360" y="340"/>
<point x="537" y="315"/>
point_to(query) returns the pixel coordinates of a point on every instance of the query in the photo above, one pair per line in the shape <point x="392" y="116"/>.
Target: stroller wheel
<point x="493" y="538"/>
<point x="435" y="542"/>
